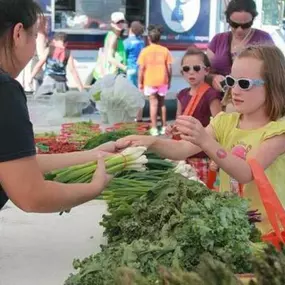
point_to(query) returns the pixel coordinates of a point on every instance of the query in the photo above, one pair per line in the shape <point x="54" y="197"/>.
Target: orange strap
<point x="195" y="100"/>
<point x="193" y="103"/>
<point x="212" y="176"/>
<point x="272" y="204"/>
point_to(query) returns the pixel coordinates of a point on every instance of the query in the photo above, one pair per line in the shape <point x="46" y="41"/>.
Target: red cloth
<point x="201" y="165"/>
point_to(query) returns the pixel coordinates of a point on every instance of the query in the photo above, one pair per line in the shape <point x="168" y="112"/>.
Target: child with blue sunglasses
<point x="256" y="130"/>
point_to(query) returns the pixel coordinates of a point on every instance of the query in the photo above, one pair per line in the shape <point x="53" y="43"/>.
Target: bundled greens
<point x="107" y="137"/>
<point x="208" y="272"/>
<point x="172" y="225"/>
<point x="131" y="158"/>
<point x="269" y="268"/>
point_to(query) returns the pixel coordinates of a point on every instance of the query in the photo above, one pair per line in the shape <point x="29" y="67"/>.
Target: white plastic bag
<point x="71" y="103"/>
<point x="105" y="84"/>
<point x="120" y="100"/>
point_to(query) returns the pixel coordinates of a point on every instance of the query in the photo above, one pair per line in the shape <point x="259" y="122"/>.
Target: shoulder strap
<point x="272" y="205"/>
<point x="51" y="51"/>
<point x="195" y="100"/>
<point x="229" y="48"/>
<point x="67" y="55"/>
<point x="107" y="40"/>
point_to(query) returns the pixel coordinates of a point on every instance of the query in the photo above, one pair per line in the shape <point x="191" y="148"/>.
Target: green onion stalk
<point x="132" y="158"/>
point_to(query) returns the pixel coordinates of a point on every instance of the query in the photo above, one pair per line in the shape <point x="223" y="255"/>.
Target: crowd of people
<point x="233" y="109"/>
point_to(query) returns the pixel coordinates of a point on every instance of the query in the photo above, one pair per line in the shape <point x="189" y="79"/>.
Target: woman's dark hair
<point x="248" y="6"/>
<point x="13" y="12"/>
<point x="154" y="33"/>
<point x="196" y="51"/>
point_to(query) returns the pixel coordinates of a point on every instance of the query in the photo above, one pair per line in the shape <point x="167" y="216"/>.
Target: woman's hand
<point x="100" y="178"/>
<point x="109" y="147"/>
<point x="135" y="140"/>
<point x="112" y="147"/>
<point x="217" y="82"/>
<point x="192" y="130"/>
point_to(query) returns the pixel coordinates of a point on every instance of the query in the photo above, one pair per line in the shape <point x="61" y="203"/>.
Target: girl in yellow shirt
<point x="256" y="130"/>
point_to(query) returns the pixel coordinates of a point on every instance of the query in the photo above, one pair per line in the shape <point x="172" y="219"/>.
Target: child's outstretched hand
<point x="168" y="131"/>
<point x="191" y="130"/>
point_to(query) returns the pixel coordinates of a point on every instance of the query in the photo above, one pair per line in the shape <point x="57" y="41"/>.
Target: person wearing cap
<point x="114" y="56"/>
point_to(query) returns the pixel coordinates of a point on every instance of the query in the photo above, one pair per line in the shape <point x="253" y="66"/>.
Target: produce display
<point x="83" y="131"/>
<point x="163" y="225"/>
<point x="208" y="272"/>
<point x="106" y="137"/>
<point x="173" y="225"/>
<point x="45" y="136"/>
<point x="269" y="269"/>
<point x="79" y="132"/>
<point x="52" y="146"/>
<point x="84" y="135"/>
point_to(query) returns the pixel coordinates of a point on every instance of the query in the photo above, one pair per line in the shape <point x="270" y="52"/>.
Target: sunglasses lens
<point x="244" y="84"/>
<point x="197" y="68"/>
<point x="186" y="68"/>
<point x="233" y="24"/>
<point x="246" y="25"/>
<point x="237" y="25"/>
<point x="230" y="81"/>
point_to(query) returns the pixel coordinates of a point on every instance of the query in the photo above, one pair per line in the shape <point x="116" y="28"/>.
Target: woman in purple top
<point x="240" y="15"/>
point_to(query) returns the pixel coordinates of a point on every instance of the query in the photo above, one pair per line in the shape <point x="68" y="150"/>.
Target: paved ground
<point x="39" y="249"/>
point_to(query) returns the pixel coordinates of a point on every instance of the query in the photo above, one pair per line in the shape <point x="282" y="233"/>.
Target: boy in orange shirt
<point x="155" y="77"/>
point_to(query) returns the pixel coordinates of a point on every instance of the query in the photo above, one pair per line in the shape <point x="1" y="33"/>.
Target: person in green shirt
<point x="112" y="59"/>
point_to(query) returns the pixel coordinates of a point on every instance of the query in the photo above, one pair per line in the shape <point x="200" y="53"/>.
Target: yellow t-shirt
<point x="240" y="142"/>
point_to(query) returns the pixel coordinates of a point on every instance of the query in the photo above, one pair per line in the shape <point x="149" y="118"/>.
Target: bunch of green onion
<point x="132" y="158"/>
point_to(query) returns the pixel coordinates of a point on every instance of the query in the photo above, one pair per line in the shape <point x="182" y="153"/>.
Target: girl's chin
<point x="194" y="82"/>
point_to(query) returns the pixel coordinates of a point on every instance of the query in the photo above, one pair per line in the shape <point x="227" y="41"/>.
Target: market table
<point x="39" y="249"/>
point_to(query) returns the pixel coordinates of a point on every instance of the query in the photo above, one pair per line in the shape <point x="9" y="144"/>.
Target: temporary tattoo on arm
<point x="221" y="153"/>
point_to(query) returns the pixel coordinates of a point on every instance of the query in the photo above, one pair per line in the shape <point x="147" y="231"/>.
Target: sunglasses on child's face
<point x="243" y="83"/>
<point x="196" y="68"/>
<point x="236" y="25"/>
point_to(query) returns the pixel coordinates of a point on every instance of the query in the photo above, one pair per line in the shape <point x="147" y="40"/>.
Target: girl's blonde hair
<point x="273" y="73"/>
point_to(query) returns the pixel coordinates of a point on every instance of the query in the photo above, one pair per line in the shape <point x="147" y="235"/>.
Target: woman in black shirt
<point x="21" y="170"/>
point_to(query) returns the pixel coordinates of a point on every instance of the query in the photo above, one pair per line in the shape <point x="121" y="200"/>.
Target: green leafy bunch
<point x="173" y="225"/>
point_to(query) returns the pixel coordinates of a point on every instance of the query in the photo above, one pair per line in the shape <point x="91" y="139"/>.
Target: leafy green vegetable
<point x="209" y="272"/>
<point x="270" y="267"/>
<point x="173" y="225"/>
<point x="106" y="137"/>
